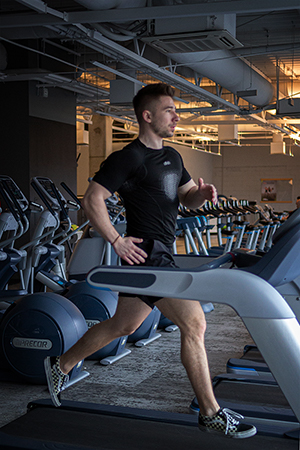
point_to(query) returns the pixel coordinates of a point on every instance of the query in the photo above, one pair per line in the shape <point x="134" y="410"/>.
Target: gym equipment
<point x="278" y="266"/>
<point x="256" y="301"/>
<point x="34" y="327"/>
<point x="252" y="361"/>
<point x="92" y="249"/>
<point x="96" y="306"/>
<point x="147" y="331"/>
<point x="73" y="426"/>
<point x="14" y="223"/>
<point x="282" y="277"/>
<point x="231" y="224"/>
<point x="37" y="325"/>
<point x="257" y="398"/>
<point x="258" y="304"/>
<point x="187" y="225"/>
<point x="194" y="222"/>
<point x="79" y="265"/>
<point x="291" y="293"/>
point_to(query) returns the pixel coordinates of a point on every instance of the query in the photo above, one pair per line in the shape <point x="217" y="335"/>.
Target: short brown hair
<point x="147" y="94"/>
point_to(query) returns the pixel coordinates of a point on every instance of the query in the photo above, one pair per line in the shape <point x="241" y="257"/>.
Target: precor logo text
<point x="33" y="344"/>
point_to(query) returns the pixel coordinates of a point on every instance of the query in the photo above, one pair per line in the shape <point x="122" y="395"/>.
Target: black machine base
<point x="85" y="426"/>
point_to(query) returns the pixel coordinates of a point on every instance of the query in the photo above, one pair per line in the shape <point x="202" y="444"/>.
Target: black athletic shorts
<point x="159" y="255"/>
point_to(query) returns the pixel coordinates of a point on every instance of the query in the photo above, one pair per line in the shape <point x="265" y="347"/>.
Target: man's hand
<point x="207" y="191"/>
<point x="128" y="251"/>
<point x="193" y="196"/>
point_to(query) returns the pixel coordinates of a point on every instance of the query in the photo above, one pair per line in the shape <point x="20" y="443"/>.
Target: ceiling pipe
<point x="215" y="65"/>
<point x="231" y="73"/>
<point x="28" y="33"/>
<point x="221" y="66"/>
<point x="97" y="5"/>
<point x="111" y="35"/>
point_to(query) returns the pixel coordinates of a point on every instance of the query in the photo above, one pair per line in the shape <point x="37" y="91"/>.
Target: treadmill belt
<point x="50" y="428"/>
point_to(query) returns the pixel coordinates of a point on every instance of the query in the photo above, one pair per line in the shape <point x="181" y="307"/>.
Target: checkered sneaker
<point x="56" y="379"/>
<point x="228" y="423"/>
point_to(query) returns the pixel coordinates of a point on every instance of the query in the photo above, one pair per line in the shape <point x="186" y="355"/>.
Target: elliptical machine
<point x="37" y="325"/>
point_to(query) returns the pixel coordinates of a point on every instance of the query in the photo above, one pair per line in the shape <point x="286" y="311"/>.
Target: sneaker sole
<point x="237" y="435"/>
<point x="48" y="372"/>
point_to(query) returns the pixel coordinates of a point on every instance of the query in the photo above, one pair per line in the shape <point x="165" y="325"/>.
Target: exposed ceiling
<point x="235" y="64"/>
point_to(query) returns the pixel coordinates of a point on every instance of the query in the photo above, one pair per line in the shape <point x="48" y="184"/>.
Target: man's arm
<point x="95" y="209"/>
<point x="193" y="196"/>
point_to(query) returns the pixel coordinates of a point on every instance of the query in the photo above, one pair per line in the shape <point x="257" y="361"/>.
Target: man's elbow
<point x="93" y="200"/>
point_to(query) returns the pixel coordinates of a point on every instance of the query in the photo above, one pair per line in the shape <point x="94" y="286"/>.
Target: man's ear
<point x="147" y="116"/>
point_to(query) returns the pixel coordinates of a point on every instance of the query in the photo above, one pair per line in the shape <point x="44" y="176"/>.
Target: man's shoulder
<point x="133" y="146"/>
<point x="172" y="151"/>
<point x="133" y="150"/>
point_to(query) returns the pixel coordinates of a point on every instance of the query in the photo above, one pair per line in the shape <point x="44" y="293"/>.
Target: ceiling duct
<point x="218" y="63"/>
<point x="277" y="146"/>
<point x="110" y="4"/>
<point x="121" y="92"/>
<point x="289" y="107"/>
<point x="194" y="42"/>
<point x="229" y="72"/>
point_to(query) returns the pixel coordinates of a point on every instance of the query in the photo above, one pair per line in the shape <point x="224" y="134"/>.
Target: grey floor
<point x="151" y="377"/>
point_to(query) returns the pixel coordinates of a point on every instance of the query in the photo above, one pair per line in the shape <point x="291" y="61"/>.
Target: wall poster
<point x="278" y="190"/>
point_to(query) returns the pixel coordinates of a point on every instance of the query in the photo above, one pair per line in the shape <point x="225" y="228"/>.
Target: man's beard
<point x="161" y="132"/>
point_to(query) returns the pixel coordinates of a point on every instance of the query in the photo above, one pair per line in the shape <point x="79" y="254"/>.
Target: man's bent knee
<point x="126" y="326"/>
<point x="129" y="329"/>
<point x="187" y="315"/>
<point x="130" y="314"/>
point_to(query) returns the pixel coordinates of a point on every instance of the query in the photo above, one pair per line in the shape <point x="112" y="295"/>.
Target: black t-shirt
<point x="147" y="179"/>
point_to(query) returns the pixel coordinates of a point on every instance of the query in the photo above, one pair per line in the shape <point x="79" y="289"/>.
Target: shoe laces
<point x="232" y="418"/>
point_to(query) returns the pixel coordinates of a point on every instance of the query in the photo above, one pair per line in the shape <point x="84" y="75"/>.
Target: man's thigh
<point x="131" y="310"/>
<point x="181" y="312"/>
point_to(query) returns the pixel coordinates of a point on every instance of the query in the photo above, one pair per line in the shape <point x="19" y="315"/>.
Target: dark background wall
<point x="38" y="135"/>
<point x="14" y="130"/>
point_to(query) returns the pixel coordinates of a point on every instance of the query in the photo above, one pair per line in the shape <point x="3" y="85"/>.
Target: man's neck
<point x="151" y="141"/>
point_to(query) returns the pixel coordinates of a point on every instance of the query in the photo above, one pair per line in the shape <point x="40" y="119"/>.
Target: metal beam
<point x="117" y="72"/>
<point x="178" y="11"/>
<point x="104" y="45"/>
<point x="154" y="12"/>
<point x="41" y="7"/>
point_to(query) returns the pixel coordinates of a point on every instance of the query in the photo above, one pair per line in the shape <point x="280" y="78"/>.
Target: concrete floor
<point x="151" y="377"/>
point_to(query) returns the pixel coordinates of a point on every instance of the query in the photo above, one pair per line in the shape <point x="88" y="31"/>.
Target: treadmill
<point x="271" y="324"/>
<point x="86" y="426"/>
<point x="261" y="308"/>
